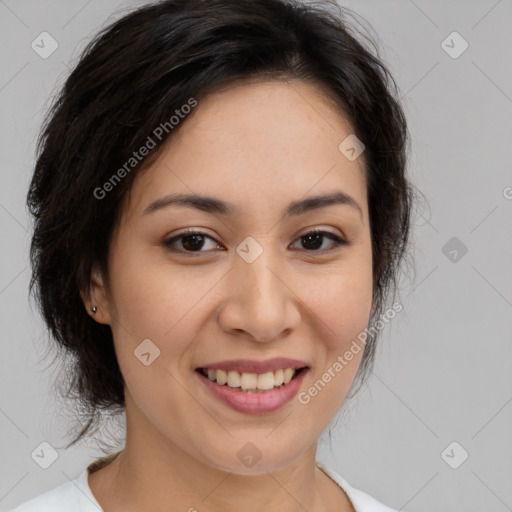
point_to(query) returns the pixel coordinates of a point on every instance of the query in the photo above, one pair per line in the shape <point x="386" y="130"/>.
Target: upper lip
<point x="254" y="366"/>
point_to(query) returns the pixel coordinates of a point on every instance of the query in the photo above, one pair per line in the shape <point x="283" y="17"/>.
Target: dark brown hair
<point x="129" y="80"/>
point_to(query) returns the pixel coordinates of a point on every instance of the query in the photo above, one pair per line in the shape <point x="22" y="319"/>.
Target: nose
<point x="261" y="301"/>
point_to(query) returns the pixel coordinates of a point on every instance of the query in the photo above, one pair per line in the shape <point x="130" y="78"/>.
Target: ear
<point x="97" y="296"/>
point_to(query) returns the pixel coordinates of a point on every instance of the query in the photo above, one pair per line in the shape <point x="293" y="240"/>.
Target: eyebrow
<point x="216" y="206"/>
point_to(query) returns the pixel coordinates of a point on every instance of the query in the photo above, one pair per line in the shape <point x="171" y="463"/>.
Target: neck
<point x="134" y="483"/>
<point x="151" y="473"/>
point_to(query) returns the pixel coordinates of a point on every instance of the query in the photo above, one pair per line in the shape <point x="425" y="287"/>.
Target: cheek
<point x="144" y="292"/>
<point x="341" y="303"/>
<point x="344" y="310"/>
<point x="162" y="302"/>
<point x="340" y="310"/>
<point x="156" y="301"/>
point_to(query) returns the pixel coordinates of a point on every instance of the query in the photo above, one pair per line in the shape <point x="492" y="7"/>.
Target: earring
<point x="94" y="310"/>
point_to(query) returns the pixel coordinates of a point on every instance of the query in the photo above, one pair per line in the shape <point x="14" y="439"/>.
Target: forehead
<point x="260" y="143"/>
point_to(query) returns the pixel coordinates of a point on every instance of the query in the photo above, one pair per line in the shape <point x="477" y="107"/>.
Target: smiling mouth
<point x="252" y="382"/>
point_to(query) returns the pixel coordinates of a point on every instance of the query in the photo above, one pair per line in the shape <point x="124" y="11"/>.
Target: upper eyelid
<point x="193" y="231"/>
<point x="321" y="231"/>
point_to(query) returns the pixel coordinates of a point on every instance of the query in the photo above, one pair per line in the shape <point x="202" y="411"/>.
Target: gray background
<point x="443" y="371"/>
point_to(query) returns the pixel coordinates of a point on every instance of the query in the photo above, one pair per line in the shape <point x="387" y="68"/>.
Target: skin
<point x="259" y="145"/>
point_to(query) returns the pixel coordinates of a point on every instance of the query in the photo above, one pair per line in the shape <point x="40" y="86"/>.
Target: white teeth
<point x="251" y="381"/>
<point x="220" y="375"/>
<point x="288" y="374"/>
<point x="248" y="380"/>
<point x="233" y="379"/>
<point x="265" y="380"/>
<point x="279" y="377"/>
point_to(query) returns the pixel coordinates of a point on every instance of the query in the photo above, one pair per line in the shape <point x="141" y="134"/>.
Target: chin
<point x="252" y="458"/>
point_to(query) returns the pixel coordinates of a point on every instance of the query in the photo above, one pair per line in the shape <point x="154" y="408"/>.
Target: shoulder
<point x="361" y="501"/>
<point x="72" y="495"/>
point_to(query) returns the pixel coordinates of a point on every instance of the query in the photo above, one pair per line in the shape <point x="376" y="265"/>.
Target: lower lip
<point x="255" y="403"/>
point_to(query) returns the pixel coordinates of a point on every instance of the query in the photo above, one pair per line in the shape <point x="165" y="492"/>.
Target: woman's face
<point x="252" y="286"/>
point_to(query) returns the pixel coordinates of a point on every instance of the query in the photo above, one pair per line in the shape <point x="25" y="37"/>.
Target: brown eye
<point x="194" y="241"/>
<point x="313" y="240"/>
<point x="191" y="241"/>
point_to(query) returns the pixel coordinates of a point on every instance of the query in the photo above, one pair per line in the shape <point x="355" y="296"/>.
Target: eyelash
<point x="338" y="242"/>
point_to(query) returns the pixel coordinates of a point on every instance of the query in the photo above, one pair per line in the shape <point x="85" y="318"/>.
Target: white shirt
<point x="76" y="496"/>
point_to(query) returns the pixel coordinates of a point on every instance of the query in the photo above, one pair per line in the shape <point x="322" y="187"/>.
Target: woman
<point x="221" y="209"/>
